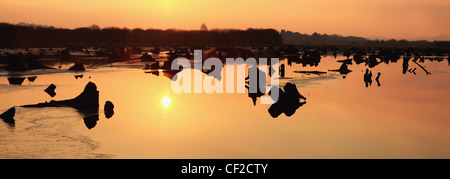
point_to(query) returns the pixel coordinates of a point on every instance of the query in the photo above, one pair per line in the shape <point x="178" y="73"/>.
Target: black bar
<point x="222" y="167"/>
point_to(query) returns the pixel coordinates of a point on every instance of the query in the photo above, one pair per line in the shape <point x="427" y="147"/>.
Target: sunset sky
<point x="367" y="18"/>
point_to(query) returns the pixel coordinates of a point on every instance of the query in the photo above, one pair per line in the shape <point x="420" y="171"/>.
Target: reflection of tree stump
<point x="368" y="78"/>
<point x="16" y="81"/>
<point x="288" y="101"/>
<point x="423" y="68"/>
<point x="109" y="109"/>
<point x="377" y="79"/>
<point x="8" y="116"/>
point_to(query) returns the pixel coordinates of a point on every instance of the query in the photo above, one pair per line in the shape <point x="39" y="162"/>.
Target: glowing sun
<point x="165" y="101"/>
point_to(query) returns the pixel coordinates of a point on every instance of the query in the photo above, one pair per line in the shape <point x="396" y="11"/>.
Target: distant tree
<point x="94" y="27"/>
<point x="315" y="35"/>
<point x="203" y="27"/>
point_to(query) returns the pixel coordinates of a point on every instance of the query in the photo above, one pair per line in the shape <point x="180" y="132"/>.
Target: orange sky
<point x="367" y="18"/>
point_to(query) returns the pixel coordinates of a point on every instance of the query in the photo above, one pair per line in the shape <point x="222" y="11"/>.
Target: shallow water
<point x="405" y="117"/>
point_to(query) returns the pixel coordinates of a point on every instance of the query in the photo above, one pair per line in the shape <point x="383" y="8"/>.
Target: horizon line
<point x="369" y="37"/>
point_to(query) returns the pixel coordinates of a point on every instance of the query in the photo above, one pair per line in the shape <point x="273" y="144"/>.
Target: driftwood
<point x="77" y="67"/>
<point x="50" y="90"/>
<point x="87" y="100"/>
<point x="86" y="103"/>
<point x="343" y="69"/>
<point x="311" y="72"/>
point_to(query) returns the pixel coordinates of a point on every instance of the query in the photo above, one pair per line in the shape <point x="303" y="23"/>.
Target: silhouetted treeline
<point x="36" y="36"/>
<point x="317" y="39"/>
<point x="296" y="38"/>
<point x="14" y="36"/>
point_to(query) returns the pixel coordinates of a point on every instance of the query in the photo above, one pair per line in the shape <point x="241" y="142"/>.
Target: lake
<point x="402" y="116"/>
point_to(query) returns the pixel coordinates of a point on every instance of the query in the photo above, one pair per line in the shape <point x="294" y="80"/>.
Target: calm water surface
<point x="406" y="116"/>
